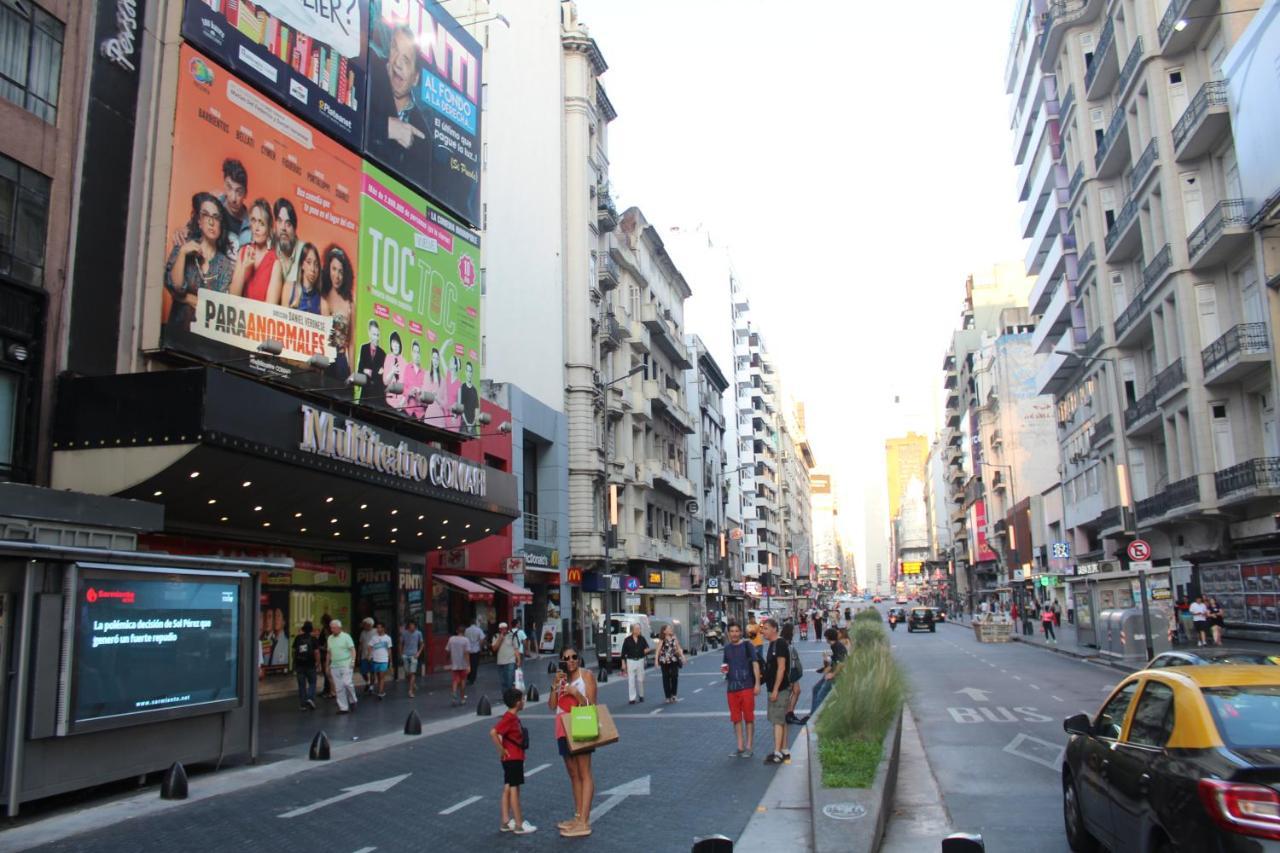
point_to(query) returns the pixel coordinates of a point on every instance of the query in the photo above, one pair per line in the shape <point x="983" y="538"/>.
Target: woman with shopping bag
<point x="575" y="687"/>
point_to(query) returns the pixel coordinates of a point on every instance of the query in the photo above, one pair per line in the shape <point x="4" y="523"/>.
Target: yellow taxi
<point x="1178" y="759"/>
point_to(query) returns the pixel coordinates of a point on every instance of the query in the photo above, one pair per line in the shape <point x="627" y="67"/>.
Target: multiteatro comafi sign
<point x="347" y="440"/>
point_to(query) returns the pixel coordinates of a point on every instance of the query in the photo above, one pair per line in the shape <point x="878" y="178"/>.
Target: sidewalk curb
<point x="866" y="810"/>
<point x="1080" y="656"/>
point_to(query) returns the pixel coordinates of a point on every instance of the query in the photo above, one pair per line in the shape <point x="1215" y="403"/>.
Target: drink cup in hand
<point x="724" y="669"/>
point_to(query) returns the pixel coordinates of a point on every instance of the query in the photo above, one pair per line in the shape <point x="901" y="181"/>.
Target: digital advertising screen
<point x="156" y="644"/>
<point x="262" y="231"/>
<point x="423" y="108"/>
<point x="307" y="55"/>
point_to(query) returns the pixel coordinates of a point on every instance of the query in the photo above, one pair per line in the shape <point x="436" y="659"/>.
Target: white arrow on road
<point x="974" y="693"/>
<point x="380" y="786"/>
<point x="634" y="788"/>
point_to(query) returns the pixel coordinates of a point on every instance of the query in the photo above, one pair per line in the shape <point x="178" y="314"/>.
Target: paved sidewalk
<point x="919" y="819"/>
<point x="782" y="820"/>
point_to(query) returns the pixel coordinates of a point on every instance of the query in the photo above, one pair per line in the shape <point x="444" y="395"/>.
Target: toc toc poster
<point x="261" y="231"/>
<point x="423" y="107"/>
<point x="418" y="310"/>
<point x="309" y="55"/>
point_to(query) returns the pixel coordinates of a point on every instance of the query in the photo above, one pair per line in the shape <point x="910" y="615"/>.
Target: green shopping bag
<point x="584" y="723"/>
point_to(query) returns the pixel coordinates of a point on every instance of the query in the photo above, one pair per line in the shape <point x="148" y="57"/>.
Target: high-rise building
<point x="904" y="461"/>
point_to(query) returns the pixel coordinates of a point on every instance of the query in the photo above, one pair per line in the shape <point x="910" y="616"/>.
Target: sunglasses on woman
<point x="569" y="657"/>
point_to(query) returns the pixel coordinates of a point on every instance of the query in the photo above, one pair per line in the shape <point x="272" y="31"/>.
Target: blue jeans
<point x="820" y="691"/>
<point x="507" y="672"/>
<point x="306" y="685"/>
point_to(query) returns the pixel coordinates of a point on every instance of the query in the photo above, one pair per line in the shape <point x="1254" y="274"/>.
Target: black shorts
<point x="513" y="772"/>
<point x="562" y="744"/>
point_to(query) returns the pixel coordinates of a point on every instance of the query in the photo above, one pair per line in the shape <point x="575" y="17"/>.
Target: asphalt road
<point x="990" y="718"/>
<point x="669" y="780"/>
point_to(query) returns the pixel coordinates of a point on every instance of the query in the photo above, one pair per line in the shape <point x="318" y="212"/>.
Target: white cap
<point x="335" y="622"/>
<point x="368" y="620"/>
<point x="502" y="624"/>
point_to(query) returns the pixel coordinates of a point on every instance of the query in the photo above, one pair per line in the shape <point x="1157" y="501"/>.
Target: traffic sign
<point x="1139" y="550"/>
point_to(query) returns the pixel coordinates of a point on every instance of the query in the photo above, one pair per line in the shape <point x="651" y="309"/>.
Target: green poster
<point x="418" y="311"/>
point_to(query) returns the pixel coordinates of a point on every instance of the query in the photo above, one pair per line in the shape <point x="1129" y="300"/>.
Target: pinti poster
<point x="418" y="310"/>
<point x="309" y="55"/>
<point x="423" y="110"/>
<point x="262" y="235"/>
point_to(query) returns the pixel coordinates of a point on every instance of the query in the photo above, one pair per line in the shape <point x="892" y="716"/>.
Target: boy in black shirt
<point x="306" y="654"/>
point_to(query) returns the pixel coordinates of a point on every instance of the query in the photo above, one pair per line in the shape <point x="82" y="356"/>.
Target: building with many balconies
<point x="759" y="421"/>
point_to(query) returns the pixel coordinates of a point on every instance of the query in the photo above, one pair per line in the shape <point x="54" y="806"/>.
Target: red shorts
<point x="742" y="705"/>
<point x="459" y="676"/>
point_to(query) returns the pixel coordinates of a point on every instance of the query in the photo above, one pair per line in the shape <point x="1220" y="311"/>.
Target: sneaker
<point x="509" y="826"/>
<point x="631" y="702"/>
<point x="773" y="758"/>
<point x="311" y="703"/>
<point x="737" y="753"/>
<point x="524" y="828"/>
<point x="746" y="753"/>
<point x="641" y="699"/>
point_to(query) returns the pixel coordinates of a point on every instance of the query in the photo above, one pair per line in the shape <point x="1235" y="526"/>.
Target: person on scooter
<point x="893" y="620"/>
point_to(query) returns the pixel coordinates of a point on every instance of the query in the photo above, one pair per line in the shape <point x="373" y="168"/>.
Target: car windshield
<point x="1251" y="658"/>
<point x="1247" y="717"/>
<point x="920" y="612"/>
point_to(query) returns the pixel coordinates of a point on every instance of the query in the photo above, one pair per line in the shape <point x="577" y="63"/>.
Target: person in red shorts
<point x="741" y="670"/>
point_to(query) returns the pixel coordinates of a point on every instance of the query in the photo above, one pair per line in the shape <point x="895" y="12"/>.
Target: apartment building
<point x="796" y="521"/>
<point x="1153" y="311"/>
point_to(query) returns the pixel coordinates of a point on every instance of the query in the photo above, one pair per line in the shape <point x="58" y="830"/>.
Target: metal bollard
<point x="174" y="784"/>
<point x="531" y="695"/>
<point x="713" y="844"/>
<point x="483" y="709"/>
<point x="963" y="842"/>
<point x="413" y="725"/>
<point x="604" y="675"/>
<point x="319" y="747"/>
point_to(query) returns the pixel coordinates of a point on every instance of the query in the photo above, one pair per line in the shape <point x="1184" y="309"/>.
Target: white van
<point x="619" y="628"/>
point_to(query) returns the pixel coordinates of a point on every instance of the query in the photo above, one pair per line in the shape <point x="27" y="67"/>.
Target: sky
<point x="856" y="158"/>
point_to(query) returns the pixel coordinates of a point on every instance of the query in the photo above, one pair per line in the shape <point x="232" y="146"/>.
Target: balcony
<point x="1066" y="103"/>
<point x="1198" y="14"/>
<point x="663" y="403"/>
<point x="639" y="337"/>
<point x="1057" y="368"/>
<point x="612" y="333"/>
<point x="1206" y="121"/>
<point x="608" y="272"/>
<point x="1058" y="18"/>
<point x="1170" y="380"/>
<point x="1223" y="234"/>
<point x="665" y="477"/>
<point x="1143" y="168"/>
<point x="998" y="482"/>
<point x="957" y="474"/>
<point x="1154" y="273"/>
<point x="1111" y="520"/>
<point x="1087" y="262"/>
<point x="1055" y="320"/>
<point x="1102" y="74"/>
<point x="664" y="332"/>
<point x="1177" y="495"/>
<point x="1052" y="273"/>
<point x="1124" y="239"/>
<point x="1130" y="69"/>
<point x="1257" y="478"/>
<point x="1104" y="428"/>
<point x="973" y="491"/>
<point x="1142" y="416"/>
<point x="1232" y="357"/>
<point x="1113" y="150"/>
<point x="606" y="212"/>
<point x="540" y="528"/>
<point x="1077" y="181"/>
<point x="1094" y="343"/>
<point x="650" y="550"/>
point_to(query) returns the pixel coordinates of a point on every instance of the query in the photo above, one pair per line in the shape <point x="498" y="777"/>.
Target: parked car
<point x="1199" y="657"/>
<point x="921" y="618"/>
<point x="1178" y="759"/>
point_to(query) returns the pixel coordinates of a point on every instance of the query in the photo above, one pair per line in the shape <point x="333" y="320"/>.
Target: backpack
<point x="794" y="670"/>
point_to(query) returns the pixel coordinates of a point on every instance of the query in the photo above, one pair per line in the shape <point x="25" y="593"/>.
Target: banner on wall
<point x="423" y="108"/>
<point x="418" y="309"/>
<point x="309" y="56"/>
<point x="261" y="231"/>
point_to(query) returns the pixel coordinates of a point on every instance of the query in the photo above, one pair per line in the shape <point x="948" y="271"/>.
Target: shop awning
<point x="517" y="593"/>
<point x="473" y="591"/>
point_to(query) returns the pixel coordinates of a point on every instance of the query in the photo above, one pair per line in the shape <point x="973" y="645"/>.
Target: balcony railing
<point x="1105" y="38"/>
<point x="606" y="211"/>
<point x="1143" y="166"/>
<point x="1130" y="68"/>
<point x="1184" y="492"/>
<point x="608" y="272"/>
<point x="1076" y="180"/>
<point x="1094" y="343"/>
<point x="1228" y="212"/>
<point x="539" y="528"/>
<point x="1170" y="379"/>
<point x="1211" y="94"/>
<point x="1087" y="259"/>
<point x="1110" y="517"/>
<point x="1244" y="339"/>
<point x="1172" y="15"/>
<point x="1254" y="475"/>
<point x="1145" y="406"/>
<point x="1152" y="507"/>
<point x="1123" y="220"/>
<point x="1109" y="137"/>
<point x="1153" y="273"/>
<point x="1067" y="101"/>
<point x="1103" y="428"/>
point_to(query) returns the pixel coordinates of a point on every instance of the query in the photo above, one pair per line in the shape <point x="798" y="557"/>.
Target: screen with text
<point x="150" y="644"/>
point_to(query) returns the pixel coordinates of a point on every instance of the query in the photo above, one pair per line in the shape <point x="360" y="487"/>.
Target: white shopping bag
<point x="520" y="680"/>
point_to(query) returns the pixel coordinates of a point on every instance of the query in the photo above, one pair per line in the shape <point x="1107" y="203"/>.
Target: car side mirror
<point x="1077" y="724"/>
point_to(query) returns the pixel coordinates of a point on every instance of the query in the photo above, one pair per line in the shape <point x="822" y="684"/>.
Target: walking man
<point x="741" y="670"/>
<point x="506" y="655"/>
<point x="635" y="648"/>
<point x="342" y="655"/>
<point x="367" y="633"/>
<point x="1028" y="615"/>
<point x="775" y="677"/>
<point x="459" y="665"/>
<point x="306" y="656"/>
<point x="1200" y="620"/>
<point x="475" y="636"/>
<point x="411" y="652"/>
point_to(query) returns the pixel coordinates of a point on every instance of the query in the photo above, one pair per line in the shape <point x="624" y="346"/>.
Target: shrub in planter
<point x="868" y="615"/>
<point x="866" y="635"/>
<point x="865" y="699"/>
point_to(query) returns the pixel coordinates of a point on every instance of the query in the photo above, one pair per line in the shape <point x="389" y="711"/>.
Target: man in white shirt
<point x="475" y="636"/>
<point x="367" y="633"/>
<point x="1200" y="619"/>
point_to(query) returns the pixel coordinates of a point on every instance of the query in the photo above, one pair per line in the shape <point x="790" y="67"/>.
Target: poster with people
<point x="418" y="310"/>
<point x="261" y="241"/>
<point x="307" y="56"/>
<point x="423" y="107"/>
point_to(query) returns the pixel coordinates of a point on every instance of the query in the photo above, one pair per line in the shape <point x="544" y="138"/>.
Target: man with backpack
<point x="775" y="679"/>
<point x="794" y="671"/>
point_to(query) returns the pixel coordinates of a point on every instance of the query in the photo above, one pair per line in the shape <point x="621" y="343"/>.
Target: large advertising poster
<point x="423" y="107"/>
<point x="418" y="309"/>
<point x="307" y="54"/>
<point x="261" y="230"/>
<point x="151" y="644"/>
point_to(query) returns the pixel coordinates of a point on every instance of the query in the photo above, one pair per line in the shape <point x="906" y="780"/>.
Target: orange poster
<point x="262" y="235"/>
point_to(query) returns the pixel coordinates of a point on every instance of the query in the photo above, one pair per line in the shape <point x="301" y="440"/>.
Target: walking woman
<point x="1215" y="621"/>
<point x="670" y="658"/>
<point x="574" y="686"/>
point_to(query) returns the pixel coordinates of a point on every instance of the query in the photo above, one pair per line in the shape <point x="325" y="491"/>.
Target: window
<point x="1110" y="721"/>
<point x="24" y="213"/>
<point x="1153" y="717"/>
<point x="30" y="57"/>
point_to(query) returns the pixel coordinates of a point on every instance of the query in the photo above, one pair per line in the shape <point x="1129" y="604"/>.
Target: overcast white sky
<point x="855" y="156"/>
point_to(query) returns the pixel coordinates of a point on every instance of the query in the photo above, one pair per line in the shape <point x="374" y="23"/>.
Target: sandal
<point x="581" y="830"/>
<point x="570" y="823"/>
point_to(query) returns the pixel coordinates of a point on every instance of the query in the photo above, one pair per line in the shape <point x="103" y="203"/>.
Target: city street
<point x="990" y="718"/>
<point x="669" y="780"/>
